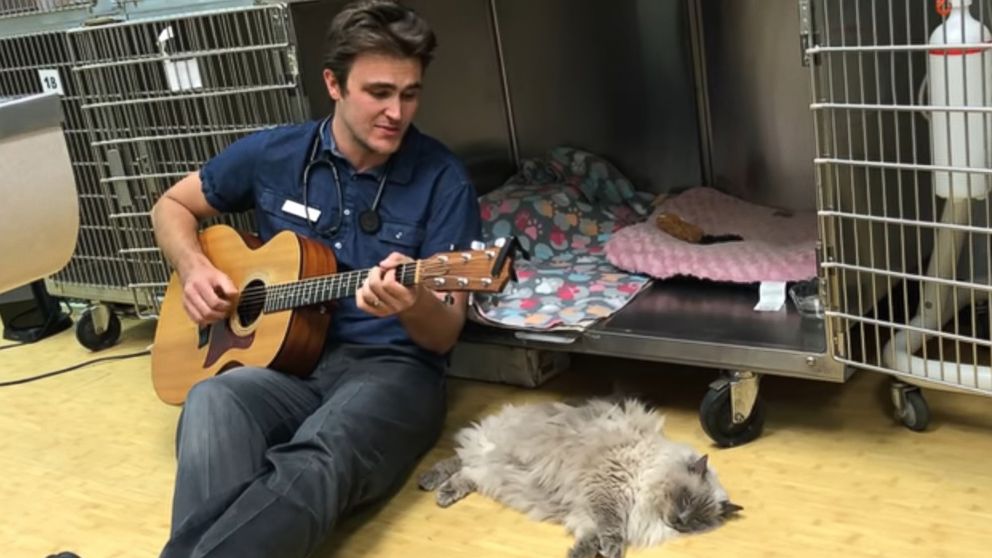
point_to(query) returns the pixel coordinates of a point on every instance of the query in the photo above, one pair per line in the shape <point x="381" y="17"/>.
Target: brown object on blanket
<point x="687" y="232"/>
<point x="675" y="226"/>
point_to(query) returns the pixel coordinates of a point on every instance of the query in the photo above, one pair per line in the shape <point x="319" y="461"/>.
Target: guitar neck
<point x="315" y="290"/>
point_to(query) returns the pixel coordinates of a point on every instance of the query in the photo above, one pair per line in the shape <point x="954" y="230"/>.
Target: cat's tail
<point x="439" y="473"/>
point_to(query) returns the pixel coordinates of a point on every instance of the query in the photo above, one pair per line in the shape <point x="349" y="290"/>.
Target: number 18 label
<point x="50" y="81"/>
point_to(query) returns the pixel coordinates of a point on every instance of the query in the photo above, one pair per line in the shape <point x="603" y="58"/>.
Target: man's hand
<point x="207" y="293"/>
<point x="382" y="294"/>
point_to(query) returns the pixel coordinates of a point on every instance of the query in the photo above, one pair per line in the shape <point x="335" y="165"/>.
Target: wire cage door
<point x="902" y="107"/>
<point x="163" y="96"/>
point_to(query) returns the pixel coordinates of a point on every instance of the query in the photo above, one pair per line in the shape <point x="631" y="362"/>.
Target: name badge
<point x="298" y="209"/>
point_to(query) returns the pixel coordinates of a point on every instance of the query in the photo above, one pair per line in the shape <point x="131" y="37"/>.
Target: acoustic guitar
<point x="286" y="288"/>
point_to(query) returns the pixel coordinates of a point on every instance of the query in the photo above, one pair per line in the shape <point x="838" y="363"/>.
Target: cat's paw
<point x="448" y="495"/>
<point x="586" y="547"/>
<point x="611" y="545"/>
<point x="431" y="479"/>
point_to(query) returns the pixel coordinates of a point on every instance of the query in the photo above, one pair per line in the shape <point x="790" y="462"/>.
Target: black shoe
<point x="63" y="555"/>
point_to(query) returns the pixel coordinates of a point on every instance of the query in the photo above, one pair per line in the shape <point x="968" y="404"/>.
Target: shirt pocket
<point x="277" y="218"/>
<point x="398" y="236"/>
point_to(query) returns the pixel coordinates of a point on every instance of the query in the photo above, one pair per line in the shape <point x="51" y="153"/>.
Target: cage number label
<point x="50" y="81"/>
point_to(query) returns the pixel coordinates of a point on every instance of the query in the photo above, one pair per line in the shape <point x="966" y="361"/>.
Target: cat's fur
<point x="603" y="469"/>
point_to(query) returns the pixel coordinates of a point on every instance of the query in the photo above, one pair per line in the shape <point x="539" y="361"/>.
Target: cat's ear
<point x="699" y="466"/>
<point x="729" y="508"/>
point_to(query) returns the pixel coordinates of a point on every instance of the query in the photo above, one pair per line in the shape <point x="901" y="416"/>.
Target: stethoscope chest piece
<point x="369" y="221"/>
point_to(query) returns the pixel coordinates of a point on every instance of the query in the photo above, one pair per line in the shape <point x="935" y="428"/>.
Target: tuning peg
<point x="500" y="242"/>
<point x="478" y="245"/>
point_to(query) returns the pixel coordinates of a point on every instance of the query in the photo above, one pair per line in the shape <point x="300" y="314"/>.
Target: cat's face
<point x="696" y="501"/>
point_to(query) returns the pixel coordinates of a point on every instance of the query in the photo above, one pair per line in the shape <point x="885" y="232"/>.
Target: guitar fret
<point x="307" y="292"/>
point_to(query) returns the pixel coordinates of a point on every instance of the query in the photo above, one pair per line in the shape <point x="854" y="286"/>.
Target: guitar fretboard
<point x="305" y="292"/>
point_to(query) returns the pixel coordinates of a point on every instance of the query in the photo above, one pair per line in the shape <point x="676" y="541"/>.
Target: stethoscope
<point x="368" y="220"/>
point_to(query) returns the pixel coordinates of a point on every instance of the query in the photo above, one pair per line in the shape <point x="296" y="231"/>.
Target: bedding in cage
<point x="563" y="207"/>
<point x="596" y="243"/>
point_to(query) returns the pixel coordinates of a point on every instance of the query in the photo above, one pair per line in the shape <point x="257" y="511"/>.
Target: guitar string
<point x="336" y="281"/>
<point x="408" y="272"/>
<point x="346" y="280"/>
<point x="344" y="284"/>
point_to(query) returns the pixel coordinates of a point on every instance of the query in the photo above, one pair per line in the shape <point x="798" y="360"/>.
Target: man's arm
<point x="455" y="221"/>
<point x="175" y="219"/>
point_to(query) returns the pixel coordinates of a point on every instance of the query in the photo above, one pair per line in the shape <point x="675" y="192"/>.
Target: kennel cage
<point x="151" y="121"/>
<point x="14" y="8"/>
<point x="40" y="62"/>
<point x="903" y="116"/>
<point x="161" y="96"/>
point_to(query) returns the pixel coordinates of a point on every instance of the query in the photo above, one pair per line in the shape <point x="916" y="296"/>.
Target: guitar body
<point x="289" y="341"/>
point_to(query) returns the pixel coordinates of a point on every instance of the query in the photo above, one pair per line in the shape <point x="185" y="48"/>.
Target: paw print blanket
<point x="563" y="208"/>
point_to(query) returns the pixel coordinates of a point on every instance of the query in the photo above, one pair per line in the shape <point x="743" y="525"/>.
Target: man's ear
<point x="334" y="88"/>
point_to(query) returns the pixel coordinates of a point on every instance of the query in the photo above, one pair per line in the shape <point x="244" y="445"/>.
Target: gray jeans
<point x="269" y="462"/>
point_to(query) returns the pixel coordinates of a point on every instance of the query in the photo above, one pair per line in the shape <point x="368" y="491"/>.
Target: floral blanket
<point x="562" y="208"/>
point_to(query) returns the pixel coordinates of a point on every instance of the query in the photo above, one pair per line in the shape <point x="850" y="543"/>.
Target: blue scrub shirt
<point x="428" y="205"/>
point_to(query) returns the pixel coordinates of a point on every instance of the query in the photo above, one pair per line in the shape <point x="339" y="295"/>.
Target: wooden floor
<point x="86" y="462"/>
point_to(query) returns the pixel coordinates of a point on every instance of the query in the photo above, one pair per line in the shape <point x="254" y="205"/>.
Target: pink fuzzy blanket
<point x="776" y="246"/>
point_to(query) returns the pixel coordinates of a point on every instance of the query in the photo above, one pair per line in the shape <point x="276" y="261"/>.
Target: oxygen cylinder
<point x="960" y="77"/>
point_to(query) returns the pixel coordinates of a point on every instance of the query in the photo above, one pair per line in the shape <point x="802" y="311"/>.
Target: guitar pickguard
<point x="223" y="339"/>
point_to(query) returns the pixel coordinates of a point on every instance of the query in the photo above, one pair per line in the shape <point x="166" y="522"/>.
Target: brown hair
<point x="380" y="26"/>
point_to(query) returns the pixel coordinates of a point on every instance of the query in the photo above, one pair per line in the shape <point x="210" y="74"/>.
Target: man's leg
<point x="227" y="424"/>
<point x="382" y="413"/>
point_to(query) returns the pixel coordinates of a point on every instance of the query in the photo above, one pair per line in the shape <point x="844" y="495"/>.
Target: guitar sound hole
<point x="252" y="302"/>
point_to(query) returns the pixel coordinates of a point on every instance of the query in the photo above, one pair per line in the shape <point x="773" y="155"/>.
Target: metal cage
<point x="162" y="96"/>
<point x="10" y="8"/>
<point x="904" y="168"/>
<point x="41" y="62"/>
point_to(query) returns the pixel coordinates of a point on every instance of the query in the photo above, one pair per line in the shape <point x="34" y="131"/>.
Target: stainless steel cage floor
<point x="696" y="323"/>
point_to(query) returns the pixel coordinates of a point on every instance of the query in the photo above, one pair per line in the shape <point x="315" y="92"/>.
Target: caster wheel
<point x="715" y="414"/>
<point x="914" y="412"/>
<point x="88" y="337"/>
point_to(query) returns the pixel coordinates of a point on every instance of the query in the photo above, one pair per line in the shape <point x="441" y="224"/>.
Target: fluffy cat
<point x="602" y="469"/>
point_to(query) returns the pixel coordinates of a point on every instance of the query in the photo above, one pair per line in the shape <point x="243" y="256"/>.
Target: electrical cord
<point x="74" y="367"/>
<point x="11" y="346"/>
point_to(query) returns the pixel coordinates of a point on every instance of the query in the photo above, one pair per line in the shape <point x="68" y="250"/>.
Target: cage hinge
<point x="806" y="31"/>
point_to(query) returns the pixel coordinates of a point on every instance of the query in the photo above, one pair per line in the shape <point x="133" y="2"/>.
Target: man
<point x="267" y="462"/>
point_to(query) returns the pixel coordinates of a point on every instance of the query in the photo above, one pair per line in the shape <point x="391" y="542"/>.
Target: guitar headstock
<point x="484" y="268"/>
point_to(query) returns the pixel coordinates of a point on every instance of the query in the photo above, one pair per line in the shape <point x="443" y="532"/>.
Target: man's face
<point x="379" y="102"/>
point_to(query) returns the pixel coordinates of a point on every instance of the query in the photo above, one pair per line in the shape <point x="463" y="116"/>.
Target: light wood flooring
<point x="86" y="464"/>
